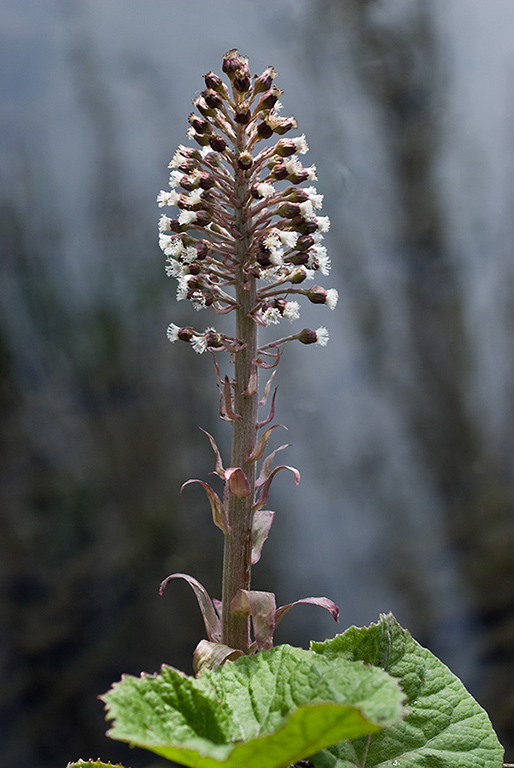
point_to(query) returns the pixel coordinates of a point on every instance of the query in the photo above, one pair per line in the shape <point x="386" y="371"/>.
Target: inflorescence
<point x="229" y="185"/>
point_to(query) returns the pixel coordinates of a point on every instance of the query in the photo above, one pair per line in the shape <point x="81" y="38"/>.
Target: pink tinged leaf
<point x="209" y="655"/>
<point x="261" y="607"/>
<point x="237" y="482"/>
<point x="266" y="465"/>
<point x="261" y="525"/>
<point x="267" y="389"/>
<point x="251" y="387"/>
<point x="271" y="411"/>
<point x="219" y="464"/>
<point x="259" y="449"/>
<point x="264" y="493"/>
<point x="227" y="393"/>
<point x="219" y="514"/>
<point x="323" y="602"/>
<point x="222" y="411"/>
<point x="218" y="606"/>
<point x="210" y="617"/>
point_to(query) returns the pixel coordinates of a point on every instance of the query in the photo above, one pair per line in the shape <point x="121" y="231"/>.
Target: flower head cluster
<point x="243" y="215"/>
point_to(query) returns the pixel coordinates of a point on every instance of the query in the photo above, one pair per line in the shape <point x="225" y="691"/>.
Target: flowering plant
<point x="247" y="241"/>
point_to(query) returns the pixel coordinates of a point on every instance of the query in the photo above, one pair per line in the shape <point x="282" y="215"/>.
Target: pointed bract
<point x="210" y="617"/>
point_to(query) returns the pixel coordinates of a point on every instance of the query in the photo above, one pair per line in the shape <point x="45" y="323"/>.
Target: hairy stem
<point x="238" y="543"/>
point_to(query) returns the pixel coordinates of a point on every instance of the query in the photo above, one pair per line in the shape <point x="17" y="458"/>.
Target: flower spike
<point x="245" y="238"/>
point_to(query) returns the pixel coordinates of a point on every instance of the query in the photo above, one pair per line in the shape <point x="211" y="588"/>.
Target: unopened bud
<point x="186" y="333"/>
<point x="264" y="131"/>
<point x="200" y="124"/>
<point x="203" y="107"/>
<point x="212" y="99"/>
<point x="304" y="226"/>
<point x="217" y="142"/>
<point x="285" y="147"/>
<point x="245" y="160"/>
<point x="235" y="65"/>
<point x="202" y="218"/>
<point x="279" y="171"/>
<point x="207" y="181"/>
<point x="202" y="249"/>
<point x="193" y="269"/>
<point x="317" y="294"/>
<point x="288" y="210"/>
<point x="319" y="336"/>
<point x="243" y="113"/>
<point x="298" y="275"/>
<point x="215" y="83"/>
<point x="296" y="194"/>
<point x="282" y="125"/>
<point x="307" y="336"/>
<point x="298" y="258"/>
<point x="242" y="81"/>
<point x="268" y="99"/>
<point x="201" y="138"/>
<point x="264" y="81"/>
<point x="304" y="242"/>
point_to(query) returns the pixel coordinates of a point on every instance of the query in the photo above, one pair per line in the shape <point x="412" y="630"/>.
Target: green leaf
<point x="264" y="711"/>
<point x="445" y="727"/>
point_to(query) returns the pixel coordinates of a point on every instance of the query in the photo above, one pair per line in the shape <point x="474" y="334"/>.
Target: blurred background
<point x="403" y="427"/>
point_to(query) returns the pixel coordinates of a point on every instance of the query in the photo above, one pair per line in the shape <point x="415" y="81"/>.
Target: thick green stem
<point x="238" y="543"/>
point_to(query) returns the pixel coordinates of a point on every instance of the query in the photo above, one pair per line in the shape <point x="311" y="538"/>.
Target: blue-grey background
<point x="403" y="426"/>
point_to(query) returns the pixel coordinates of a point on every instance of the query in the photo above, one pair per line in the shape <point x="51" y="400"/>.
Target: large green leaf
<point x="444" y="728"/>
<point x="92" y="764"/>
<point x="262" y="711"/>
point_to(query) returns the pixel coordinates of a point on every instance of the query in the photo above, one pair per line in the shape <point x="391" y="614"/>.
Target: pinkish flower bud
<point x="296" y="194"/>
<point x="279" y="171"/>
<point x="243" y="113"/>
<point x="206" y="180"/>
<point x="215" y="83"/>
<point x="203" y="107"/>
<point x="285" y="148"/>
<point x="297" y="276"/>
<point x="288" y="210"/>
<point x="264" y="131"/>
<point x="264" y="81"/>
<point x="281" y="125"/>
<point x="212" y="99"/>
<point x="188" y="166"/>
<point x="234" y="64"/>
<point x="217" y="142"/>
<point x="268" y="99"/>
<point x="200" y="124"/>
<point x="186" y="333"/>
<point x="245" y="160"/>
<point x="304" y="226"/>
<point x="317" y="294"/>
<point x="299" y="258"/>
<point x="242" y="80"/>
<point x="202" y="249"/>
<point x="307" y="336"/>
<point x="201" y="138"/>
<point x="202" y="218"/>
<point x="304" y="242"/>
